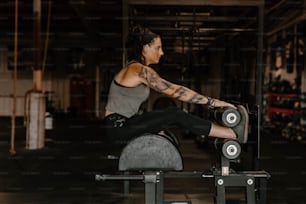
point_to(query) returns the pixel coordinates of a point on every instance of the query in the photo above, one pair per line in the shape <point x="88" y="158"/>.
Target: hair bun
<point x="138" y="37"/>
<point x="137" y="29"/>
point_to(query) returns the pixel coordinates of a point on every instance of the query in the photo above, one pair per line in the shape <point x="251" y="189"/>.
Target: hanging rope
<point x="12" y="150"/>
<point x="47" y="36"/>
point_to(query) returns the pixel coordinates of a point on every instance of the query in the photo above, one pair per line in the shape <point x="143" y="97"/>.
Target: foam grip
<point x="226" y="116"/>
<point x="150" y="152"/>
<point x="230" y="149"/>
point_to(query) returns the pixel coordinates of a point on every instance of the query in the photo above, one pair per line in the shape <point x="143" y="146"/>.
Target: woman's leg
<point x="155" y="121"/>
<point x="158" y="120"/>
<point x="221" y="132"/>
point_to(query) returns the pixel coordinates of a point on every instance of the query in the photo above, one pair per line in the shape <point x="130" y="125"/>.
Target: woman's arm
<point x="154" y="81"/>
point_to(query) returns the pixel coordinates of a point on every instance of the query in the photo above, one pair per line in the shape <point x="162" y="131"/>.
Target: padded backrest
<point x="150" y="152"/>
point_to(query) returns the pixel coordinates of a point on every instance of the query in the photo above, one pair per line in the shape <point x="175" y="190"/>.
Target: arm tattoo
<point x="182" y="92"/>
<point x="142" y="73"/>
<point x="179" y="93"/>
<point x="196" y="98"/>
<point x="153" y="80"/>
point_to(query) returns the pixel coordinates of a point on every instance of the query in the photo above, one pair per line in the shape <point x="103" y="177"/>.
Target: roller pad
<point x="230" y="149"/>
<point x="226" y="116"/>
<point x="150" y="152"/>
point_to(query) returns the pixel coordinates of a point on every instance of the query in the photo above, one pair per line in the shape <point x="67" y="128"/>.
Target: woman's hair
<point x="137" y="38"/>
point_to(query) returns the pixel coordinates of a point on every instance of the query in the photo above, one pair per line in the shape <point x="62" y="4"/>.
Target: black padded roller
<point x="230" y="149"/>
<point x="226" y="116"/>
<point x="150" y="152"/>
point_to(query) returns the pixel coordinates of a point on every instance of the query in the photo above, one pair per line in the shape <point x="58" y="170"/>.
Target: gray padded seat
<point x="150" y="152"/>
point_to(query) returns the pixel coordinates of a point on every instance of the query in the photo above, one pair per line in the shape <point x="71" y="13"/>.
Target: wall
<point x="60" y="88"/>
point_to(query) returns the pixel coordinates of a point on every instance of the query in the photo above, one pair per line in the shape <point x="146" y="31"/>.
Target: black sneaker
<point x="242" y="128"/>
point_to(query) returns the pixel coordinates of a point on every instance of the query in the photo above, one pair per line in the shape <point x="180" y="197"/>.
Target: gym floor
<point x="75" y="150"/>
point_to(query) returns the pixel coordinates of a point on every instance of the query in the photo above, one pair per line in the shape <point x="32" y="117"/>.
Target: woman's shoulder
<point x="133" y="62"/>
<point x="136" y="66"/>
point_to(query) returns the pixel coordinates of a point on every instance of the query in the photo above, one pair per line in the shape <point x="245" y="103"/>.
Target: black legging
<point x="120" y="132"/>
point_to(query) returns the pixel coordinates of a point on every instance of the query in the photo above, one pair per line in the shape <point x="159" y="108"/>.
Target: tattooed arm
<point x="182" y="93"/>
<point x="154" y="81"/>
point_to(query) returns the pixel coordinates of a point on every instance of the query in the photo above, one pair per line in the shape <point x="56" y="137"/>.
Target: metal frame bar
<point x="246" y="181"/>
<point x="150" y="180"/>
<point x="154" y="183"/>
<point x="198" y="2"/>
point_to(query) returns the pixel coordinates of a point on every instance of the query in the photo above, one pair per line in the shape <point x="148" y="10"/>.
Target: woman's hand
<point x="219" y="103"/>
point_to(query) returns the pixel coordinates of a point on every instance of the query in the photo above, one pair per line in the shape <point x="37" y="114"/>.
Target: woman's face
<point x="153" y="51"/>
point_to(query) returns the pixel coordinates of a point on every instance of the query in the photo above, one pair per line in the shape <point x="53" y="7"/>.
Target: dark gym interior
<point x="58" y="58"/>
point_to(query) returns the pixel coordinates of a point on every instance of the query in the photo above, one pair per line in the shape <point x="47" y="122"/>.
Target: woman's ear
<point x="145" y="48"/>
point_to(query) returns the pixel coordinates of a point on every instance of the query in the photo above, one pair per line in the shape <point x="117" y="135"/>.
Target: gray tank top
<point x="124" y="100"/>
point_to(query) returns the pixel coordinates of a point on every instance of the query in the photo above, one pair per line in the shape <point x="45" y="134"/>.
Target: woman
<point x="130" y="88"/>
